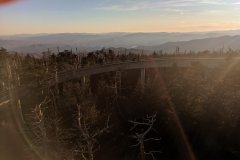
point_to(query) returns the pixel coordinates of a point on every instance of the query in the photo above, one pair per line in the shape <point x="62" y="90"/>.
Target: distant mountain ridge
<point x="90" y="41"/>
<point x="223" y="43"/>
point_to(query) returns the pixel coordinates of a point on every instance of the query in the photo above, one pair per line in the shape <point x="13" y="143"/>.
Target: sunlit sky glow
<point x="55" y="16"/>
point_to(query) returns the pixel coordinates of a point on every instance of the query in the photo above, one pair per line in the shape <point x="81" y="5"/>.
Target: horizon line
<point x="22" y="34"/>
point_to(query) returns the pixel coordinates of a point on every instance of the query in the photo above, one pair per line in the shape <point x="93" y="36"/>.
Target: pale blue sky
<point x="55" y="16"/>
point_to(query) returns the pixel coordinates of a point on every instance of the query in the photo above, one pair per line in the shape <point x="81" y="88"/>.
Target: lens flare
<point x="187" y="148"/>
<point x="3" y="2"/>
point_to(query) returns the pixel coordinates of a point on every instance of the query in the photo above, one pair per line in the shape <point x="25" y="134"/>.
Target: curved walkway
<point x="142" y="64"/>
<point x="151" y="63"/>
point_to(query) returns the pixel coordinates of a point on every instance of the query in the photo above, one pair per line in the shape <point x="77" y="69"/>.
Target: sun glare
<point x="3" y="2"/>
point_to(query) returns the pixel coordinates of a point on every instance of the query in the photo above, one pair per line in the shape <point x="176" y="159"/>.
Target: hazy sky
<point x="54" y="16"/>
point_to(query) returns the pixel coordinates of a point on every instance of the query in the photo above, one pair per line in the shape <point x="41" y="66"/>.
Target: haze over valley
<point x="165" y="41"/>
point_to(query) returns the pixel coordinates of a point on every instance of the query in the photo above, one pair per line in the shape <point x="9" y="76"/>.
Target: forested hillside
<point x="180" y="114"/>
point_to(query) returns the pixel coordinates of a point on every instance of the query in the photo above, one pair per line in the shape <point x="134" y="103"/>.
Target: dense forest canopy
<point x="182" y="113"/>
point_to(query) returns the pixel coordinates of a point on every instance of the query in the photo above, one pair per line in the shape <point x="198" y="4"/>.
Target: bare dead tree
<point x="43" y="122"/>
<point x="89" y="144"/>
<point x="77" y="60"/>
<point x="141" y="137"/>
<point x="38" y="126"/>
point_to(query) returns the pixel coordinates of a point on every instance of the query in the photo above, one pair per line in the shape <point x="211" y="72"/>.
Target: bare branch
<point x="152" y="139"/>
<point x="151" y="153"/>
<point x="140" y="137"/>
